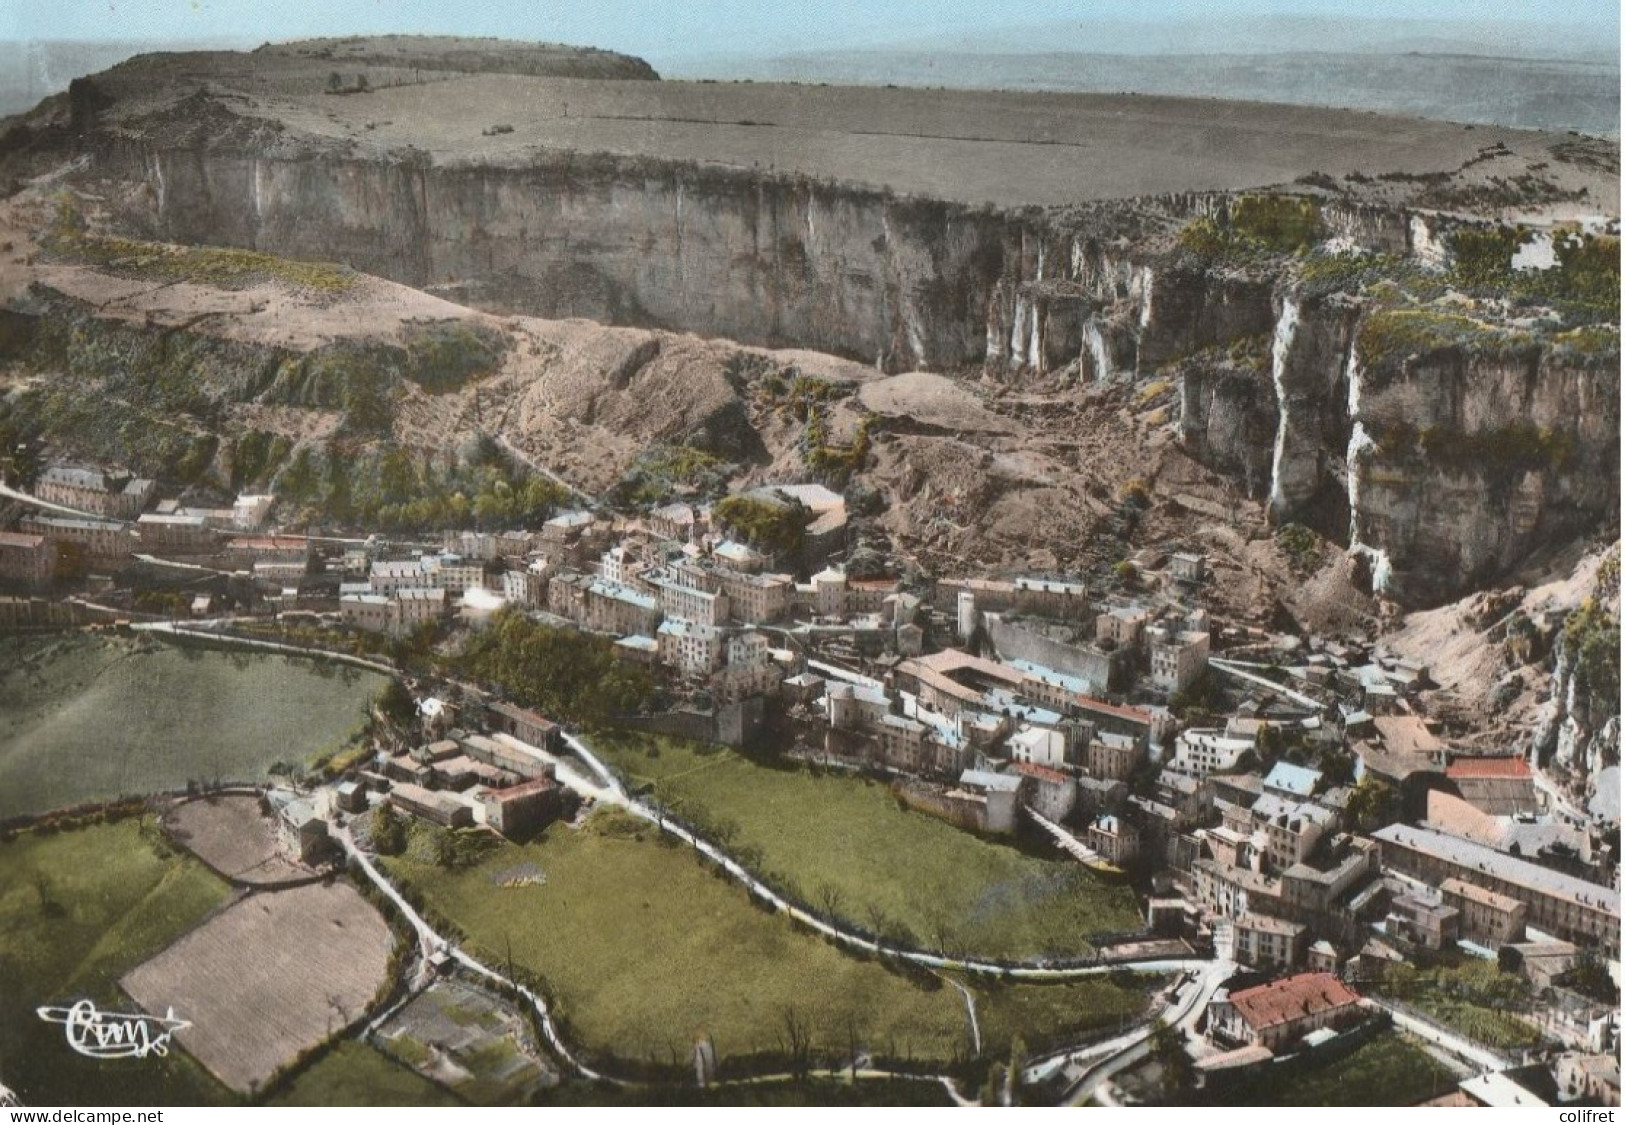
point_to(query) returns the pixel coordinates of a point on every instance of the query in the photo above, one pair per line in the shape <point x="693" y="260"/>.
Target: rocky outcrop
<point x="1308" y="368"/>
<point x="1462" y="462"/>
<point x="1228" y="420"/>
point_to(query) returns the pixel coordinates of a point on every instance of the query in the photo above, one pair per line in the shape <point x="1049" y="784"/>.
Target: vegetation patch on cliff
<point x="219" y="266"/>
<point x="1256" y="226"/>
<point x="1591" y="638"/>
<point x="1390" y="335"/>
<point x="662" y="471"/>
<point x="774" y="526"/>
<point x="447" y="355"/>
<point x="1504" y="452"/>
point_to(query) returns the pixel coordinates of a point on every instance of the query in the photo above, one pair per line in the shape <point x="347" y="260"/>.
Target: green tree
<point x="388" y="831"/>
<point x="1373" y="803"/>
<point x="1168" y="1049"/>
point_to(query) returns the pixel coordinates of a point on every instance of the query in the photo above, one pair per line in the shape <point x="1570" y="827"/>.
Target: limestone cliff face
<point x="766" y="261"/>
<point x="1308" y="369"/>
<point x="1445" y="467"/>
<point x="1461" y="464"/>
<point x="1228" y="419"/>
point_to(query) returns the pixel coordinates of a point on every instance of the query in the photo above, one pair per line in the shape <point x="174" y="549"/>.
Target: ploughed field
<point x="843" y="844"/>
<point x="93" y="718"/>
<point x="78" y="909"/>
<point x="269" y="978"/>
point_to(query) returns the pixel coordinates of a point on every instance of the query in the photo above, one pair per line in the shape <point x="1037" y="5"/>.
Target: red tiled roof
<point x="1043" y="773"/>
<point x="1089" y="703"/>
<point x="1505" y="768"/>
<point x="268" y="542"/>
<point x="1291" y="998"/>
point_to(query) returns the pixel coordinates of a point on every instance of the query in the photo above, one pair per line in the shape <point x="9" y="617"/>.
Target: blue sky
<point x="676" y="28"/>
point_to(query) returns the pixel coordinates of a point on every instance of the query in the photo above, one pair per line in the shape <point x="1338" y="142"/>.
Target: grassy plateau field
<point x="841" y="839"/>
<point x="643" y="950"/>
<point x="77" y="910"/>
<point x="89" y="718"/>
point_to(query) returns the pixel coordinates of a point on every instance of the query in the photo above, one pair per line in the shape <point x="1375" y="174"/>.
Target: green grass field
<point x="1389" y="1070"/>
<point x="1039" y="1013"/>
<point x="644" y="950"/>
<point x="842" y="839"/>
<point x="354" y="1074"/>
<point x="77" y="910"/>
<point x="1474" y="997"/>
<point x="1482" y="1024"/>
<point x="88" y="718"/>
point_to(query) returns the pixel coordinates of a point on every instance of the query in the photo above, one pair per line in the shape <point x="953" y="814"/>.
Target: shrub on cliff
<point x="446" y="356"/>
<point x="774" y="526"/>
<point x="1256" y="226"/>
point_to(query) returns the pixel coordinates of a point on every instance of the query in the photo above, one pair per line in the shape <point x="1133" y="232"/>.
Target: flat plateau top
<point x="966" y="146"/>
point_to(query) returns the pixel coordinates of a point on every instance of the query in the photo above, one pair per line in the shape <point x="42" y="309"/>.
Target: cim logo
<point x="111" y="1035"/>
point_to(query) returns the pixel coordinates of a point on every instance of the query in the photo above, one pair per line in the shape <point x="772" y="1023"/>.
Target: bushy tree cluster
<point x="564" y="673"/>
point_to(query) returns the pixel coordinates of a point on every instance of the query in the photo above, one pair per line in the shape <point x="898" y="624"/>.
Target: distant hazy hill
<point x="1524" y="93"/>
<point x="35" y="70"/>
<point x="1596" y="41"/>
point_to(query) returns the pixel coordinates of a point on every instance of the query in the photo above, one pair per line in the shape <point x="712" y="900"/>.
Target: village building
<point x="1486" y="917"/>
<point x="1178" y="659"/>
<point x="1123" y="627"/>
<point x="1115" y="839"/>
<point x="1589" y="1078"/>
<point x="435" y="807"/>
<point x="1424" y="920"/>
<point x="1558" y="904"/>
<point x="1052" y="794"/>
<point x="756" y="599"/>
<point x="182" y="534"/>
<point x="690" y="603"/>
<point x="301" y="831"/>
<point x="1039" y="746"/>
<point x="1279" y="1014"/>
<point x="102" y="540"/>
<point x="520" y="811"/>
<point x="1114" y="756"/>
<point x="374" y="613"/>
<point x="27" y="560"/>
<point x="1000" y="795"/>
<point x="116" y="496"/>
<point x="525" y="725"/>
<point x="243" y="552"/>
<point x="692" y="649"/>
<point x="1262" y="942"/>
<point x="419" y="606"/>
